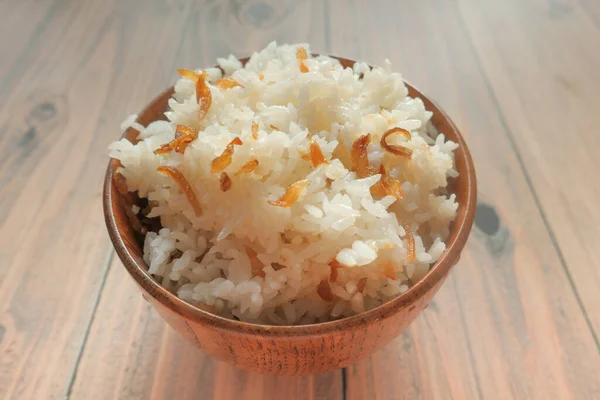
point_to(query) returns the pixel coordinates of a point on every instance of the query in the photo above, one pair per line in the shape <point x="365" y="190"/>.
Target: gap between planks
<point x="344" y="383"/>
<point x="73" y="376"/>
<point x="107" y="264"/>
<point x="510" y="136"/>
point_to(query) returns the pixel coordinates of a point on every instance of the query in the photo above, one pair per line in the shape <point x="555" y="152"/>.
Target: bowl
<point x="304" y="349"/>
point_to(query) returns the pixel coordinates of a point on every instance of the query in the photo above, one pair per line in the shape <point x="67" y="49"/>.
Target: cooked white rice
<point x="204" y="259"/>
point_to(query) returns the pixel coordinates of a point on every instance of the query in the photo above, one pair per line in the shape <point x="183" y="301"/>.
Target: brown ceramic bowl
<point x="294" y="350"/>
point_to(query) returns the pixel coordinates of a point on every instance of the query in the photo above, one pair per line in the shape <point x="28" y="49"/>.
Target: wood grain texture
<point x="546" y="88"/>
<point x="50" y="255"/>
<point x="509" y="317"/>
<point x="507" y="324"/>
<point x="133" y="354"/>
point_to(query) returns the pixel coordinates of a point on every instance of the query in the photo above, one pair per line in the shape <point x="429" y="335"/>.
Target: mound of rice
<point x="253" y="249"/>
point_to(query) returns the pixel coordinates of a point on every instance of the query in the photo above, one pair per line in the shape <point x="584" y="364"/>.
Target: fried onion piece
<point x="225" y="182"/>
<point x="393" y="187"/>
<point x="301" y="56"/>
<point x="178" y="177"/>
<point x="186" y="130"/>
<point x="291" y="194"/>
<point x="182" y="143"/>
<point x="388" y="271"/>
<point x="254" y="130"/>
<point x="261" y="76"/>
<point x="163" y="149"/>
<point x="410" y="245"/>
<point x="227" y="83"/>
<point x="387" y="186"/>
<point x="395" y="149"/>
<point x="334" y="266"/>
<point x="378" y="189"/>
<point x="188" y="74"/>
<point x="178" y="144"/>
<point x="256" y="265"/>
<point x="203" y="97"/>
<point x="276" y="266"/>
<point x="324" y="291"/>
<point x="192" y="75"/>
<point x="360" y="286"/>
<point x="360" y="161"/>
<point x="248" y="167"/>
<point x="316" y="155"/>
<point x="223" y="161"/>
<point x="184" y="135"/>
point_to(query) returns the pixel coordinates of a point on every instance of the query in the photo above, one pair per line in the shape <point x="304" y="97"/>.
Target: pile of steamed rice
<point x="332" y="249"/>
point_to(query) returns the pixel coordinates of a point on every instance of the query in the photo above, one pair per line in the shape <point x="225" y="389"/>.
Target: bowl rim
<point x="454" y="245"/>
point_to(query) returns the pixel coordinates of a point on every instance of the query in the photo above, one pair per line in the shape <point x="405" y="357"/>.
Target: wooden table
<point x="518" y="318"/>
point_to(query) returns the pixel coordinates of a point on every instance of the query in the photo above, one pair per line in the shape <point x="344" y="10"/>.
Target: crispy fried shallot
<point x="316" y="155"/>
<point x="388" y="271"/>
<point x="395" y="149"/>
<point x="360" y="286"/>
<point x="227" y="83"/>
<point x="324" y="291"/>
<point x="178" y="177"/>
<point x="360" y="161"/>
<point x="184" y="135"/>
<point x="360" y="164"/>
<point x="387" y="186"/>
<point x="203" y="97"/>
<point x="223" y="161"/>
<point x="188" y="74"/>
<point x="186" y="130"/>
<point x="248" y="167"/>
<point x="255" y="130"/>
<point x="225" y="182"/>
<point x="276" y="266"/>
<point x="410" y="245"/>
<point x="256" y="265"/>
<point x="291" y="194"/>
<point x="334" y="266"/>
<point x="192" y="75"/>
<point x="301" y="56"/>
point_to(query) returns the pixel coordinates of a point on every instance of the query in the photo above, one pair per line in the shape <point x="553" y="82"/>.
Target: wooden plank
<point x="430" y="360"/>
<point x="591" y="9"/>
<point x="73" y="83"/>
<point x="50" y="227"/>
<point x="509" y="324"/>
<point x="544" y="70"/>
<point x="14" y="52"/>
<point x="132" y="353"/>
